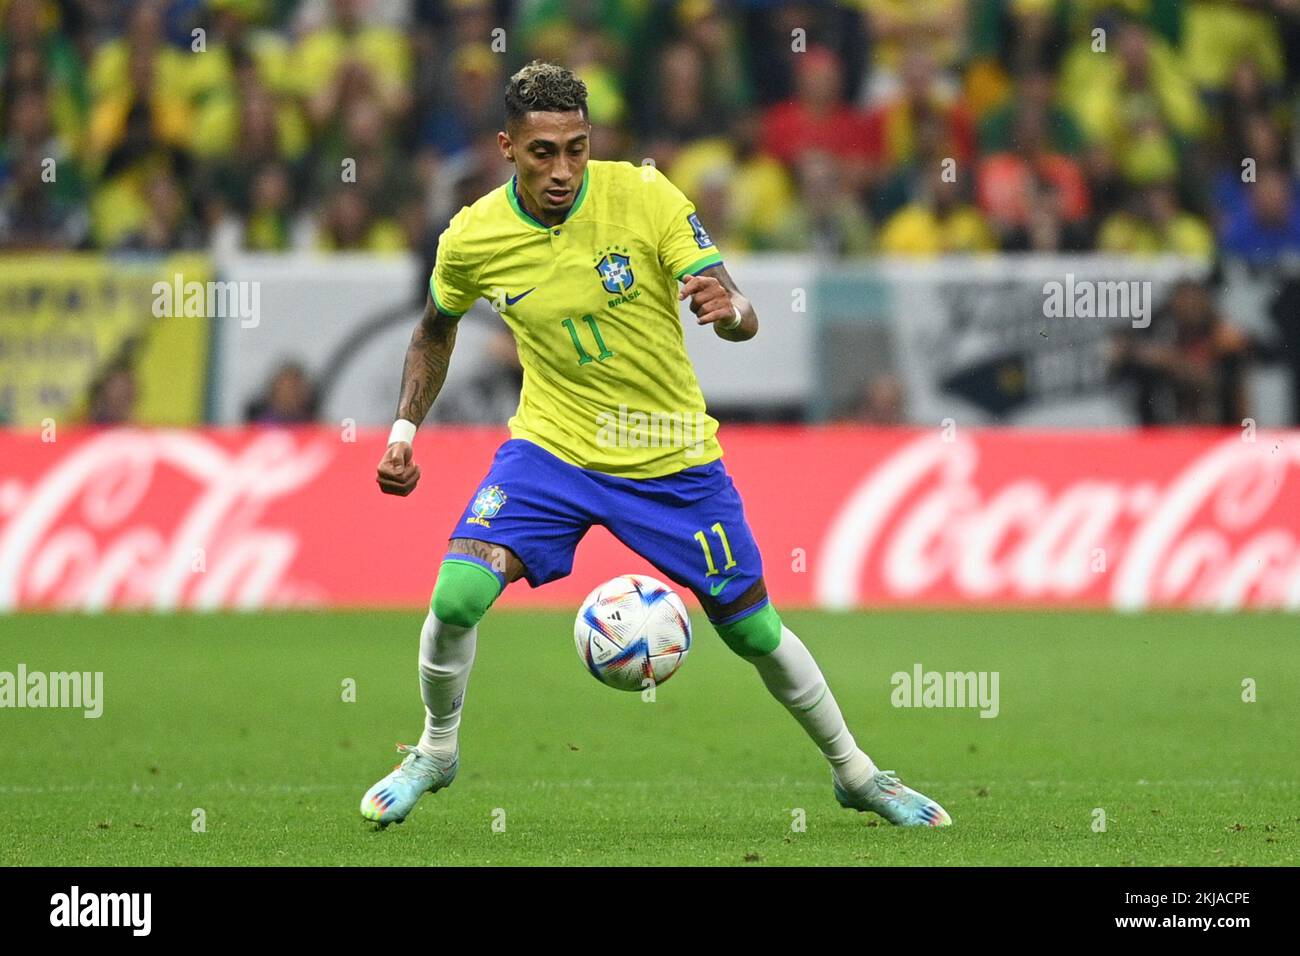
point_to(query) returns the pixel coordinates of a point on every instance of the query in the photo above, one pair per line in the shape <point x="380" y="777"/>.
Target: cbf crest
<point x="615" y="270"/>
<point x="486" y="505"/>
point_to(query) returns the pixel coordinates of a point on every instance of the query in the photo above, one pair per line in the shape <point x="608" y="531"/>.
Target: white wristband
<point x="402" y="431"/>
<point x="734" y="323"/>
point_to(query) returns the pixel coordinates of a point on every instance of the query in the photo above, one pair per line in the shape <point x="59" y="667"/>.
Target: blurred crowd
<point x="843" y="128"/>
<point x="910" y="127"/>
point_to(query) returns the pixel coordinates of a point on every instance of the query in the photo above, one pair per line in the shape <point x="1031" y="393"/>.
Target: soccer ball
<point x="632" y="632"/>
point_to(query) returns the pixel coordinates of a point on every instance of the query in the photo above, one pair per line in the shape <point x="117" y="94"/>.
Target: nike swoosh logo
<point x="512" y="301"/>
<point x="716" y="589"/>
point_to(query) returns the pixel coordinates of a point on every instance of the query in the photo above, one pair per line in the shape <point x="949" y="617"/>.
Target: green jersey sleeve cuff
<point x="712" y="259"/>
<point x="433" y="291"/>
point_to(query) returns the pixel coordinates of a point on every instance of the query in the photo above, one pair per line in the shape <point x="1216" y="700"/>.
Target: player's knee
<point x="754" y="635"/>
<point x="464" y="592"/>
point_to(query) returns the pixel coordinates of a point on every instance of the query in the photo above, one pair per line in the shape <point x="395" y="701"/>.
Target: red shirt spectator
<point x="1006" y="186"/>
<point x="921" y="123"/>
<point x="817" y="118"/>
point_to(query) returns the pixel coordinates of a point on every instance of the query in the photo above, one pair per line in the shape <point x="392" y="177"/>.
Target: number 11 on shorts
<point x="708" y="554"/>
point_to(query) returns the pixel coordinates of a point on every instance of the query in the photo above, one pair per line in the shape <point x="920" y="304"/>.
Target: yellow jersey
<point x="593" y="305"/>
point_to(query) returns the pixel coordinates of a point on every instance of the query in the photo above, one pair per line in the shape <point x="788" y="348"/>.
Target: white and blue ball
<point x="632" y="632"/>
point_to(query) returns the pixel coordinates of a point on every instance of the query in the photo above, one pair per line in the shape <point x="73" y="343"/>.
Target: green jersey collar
<point x="512" y="193"/>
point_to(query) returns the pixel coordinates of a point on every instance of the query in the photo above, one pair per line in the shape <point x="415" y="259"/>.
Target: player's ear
<point x="506" y="146"/>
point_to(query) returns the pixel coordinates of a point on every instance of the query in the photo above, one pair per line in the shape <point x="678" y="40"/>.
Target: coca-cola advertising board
<point x="846" y="517"/>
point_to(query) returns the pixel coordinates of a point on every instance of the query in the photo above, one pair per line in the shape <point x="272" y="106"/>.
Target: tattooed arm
<point x="427" y="359"/>
<point x="425" y="370"/>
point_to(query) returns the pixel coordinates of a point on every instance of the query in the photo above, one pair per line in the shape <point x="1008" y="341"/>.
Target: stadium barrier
<point x="976" y="340"/>
<point x="216" y="518"/>
<point x="1017" y="340"/>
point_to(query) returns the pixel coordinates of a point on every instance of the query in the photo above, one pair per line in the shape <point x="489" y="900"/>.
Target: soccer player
<point x="583" y="258"/>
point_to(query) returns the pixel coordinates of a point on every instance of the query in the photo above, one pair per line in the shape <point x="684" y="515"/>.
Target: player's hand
<point x="398" y="474"/>
<point x="710" y="300"/>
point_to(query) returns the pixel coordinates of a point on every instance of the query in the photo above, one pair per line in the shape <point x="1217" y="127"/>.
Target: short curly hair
<point x="544" y="87"/>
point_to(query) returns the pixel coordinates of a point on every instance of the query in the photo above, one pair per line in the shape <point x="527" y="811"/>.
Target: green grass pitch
<point x="243" y="717"/>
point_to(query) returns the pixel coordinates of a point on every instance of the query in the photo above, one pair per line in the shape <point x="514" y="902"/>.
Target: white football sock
<point x="793" y="678"/>
<point x="446" y="655"/>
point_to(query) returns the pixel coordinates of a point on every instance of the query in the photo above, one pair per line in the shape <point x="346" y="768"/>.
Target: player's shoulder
<point x="480" y="223"/>
<point x="621" y="173"/>
<point x="643" y="180"/>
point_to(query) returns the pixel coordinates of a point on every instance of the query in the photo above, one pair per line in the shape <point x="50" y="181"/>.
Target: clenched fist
<point x="398" y="474"/>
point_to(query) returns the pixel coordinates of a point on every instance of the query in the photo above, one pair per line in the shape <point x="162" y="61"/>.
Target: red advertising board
<point x="846" y="517"/>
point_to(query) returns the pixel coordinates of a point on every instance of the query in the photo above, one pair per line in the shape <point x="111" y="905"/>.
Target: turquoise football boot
<point x="902" y="806"/>
<point x="391" y="799"/>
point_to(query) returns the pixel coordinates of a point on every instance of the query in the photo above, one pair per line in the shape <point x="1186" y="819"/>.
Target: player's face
<point x="550" y="152"/>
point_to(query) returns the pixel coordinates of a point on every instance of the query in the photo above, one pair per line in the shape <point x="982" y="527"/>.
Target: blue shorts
<point x="690" y="525"/>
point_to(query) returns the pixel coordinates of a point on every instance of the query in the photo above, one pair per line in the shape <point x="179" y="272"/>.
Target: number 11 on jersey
<point x="708" y="554"/>
<point x="583" y="356"/>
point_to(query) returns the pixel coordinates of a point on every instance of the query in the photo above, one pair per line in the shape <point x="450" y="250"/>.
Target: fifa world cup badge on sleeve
<point x="702" y="238"/>
<point x="486" y="505"/>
